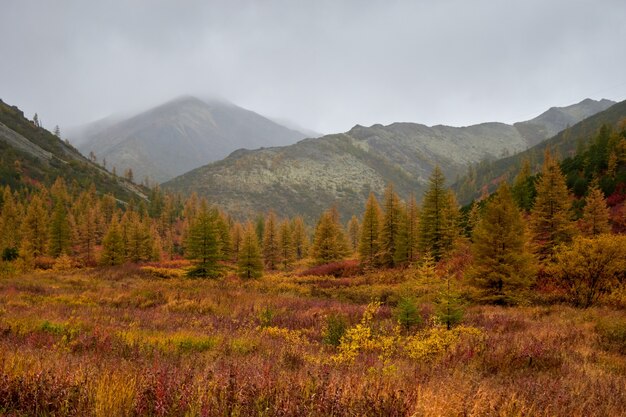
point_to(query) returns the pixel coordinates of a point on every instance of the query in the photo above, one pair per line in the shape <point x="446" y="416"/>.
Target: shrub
<point x="334" y="329"/>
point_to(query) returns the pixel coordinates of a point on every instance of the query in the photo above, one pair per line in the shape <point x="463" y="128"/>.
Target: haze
<point x="325" y="65"/>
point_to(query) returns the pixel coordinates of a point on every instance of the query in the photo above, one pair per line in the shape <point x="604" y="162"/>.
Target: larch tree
<point x="301" y="240"/>
<point x="354" y="233"/>
<point x="595" y="219"/>
<point x="271" y="247"/>
<point x="503" y="264"/>
<point x="437" y="228"/>
<point x="524" y="188"/>
<point x="203" y="245"/>
<point x="408" y="238"/>
<point x="250" y="264"/>
<point x="34" y="229"/>
<point x="60" y="236"/>
<point x="139" y="243"/>
<point x="223" y="233"/>
<point x="550" y="220"/>
<point x="329" y="243"/>
<point x="370" y="232"/>
<point x="236" y="238"/>
<point x="286" y="244"/>
<point x="113" y="250"/>
<point x="389" y="228"/>
<point x="10" y="225"/>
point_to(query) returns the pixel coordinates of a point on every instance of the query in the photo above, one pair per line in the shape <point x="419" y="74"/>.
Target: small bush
<point x="334" y="330"/>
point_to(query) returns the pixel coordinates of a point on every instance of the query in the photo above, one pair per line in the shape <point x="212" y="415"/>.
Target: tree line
<point x="523" y="232"/>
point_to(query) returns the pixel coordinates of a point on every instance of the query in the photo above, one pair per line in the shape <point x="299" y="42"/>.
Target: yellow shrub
<point x="433" y="343"/>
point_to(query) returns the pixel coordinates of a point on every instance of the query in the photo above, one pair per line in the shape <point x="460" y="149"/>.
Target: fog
<point x="324" y="65"/>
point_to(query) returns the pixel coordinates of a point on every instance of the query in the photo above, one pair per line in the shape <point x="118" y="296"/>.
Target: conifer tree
<point x="473" y="217"/>
<point x="408" y="243"/>
<point x="86" y="233"/>
<point x="285" y="243"/>
<point x="329" y="243"/>
<point x="113" y="251"/>
<point x="301" y="241"/>
<point x="236" y="238"/>
<point x="10" y="225"/>
<point x="271" y="248"/>
<point x="60" y="237"/>
<point x="203" y="244"/>
<point x="370" y="232"/>
<point x="249" y="264"/>
<point x="503" y="266"/>
<point x="437" y="228"/>
<point x="390" y="228"/>
<point x="523" y="187"/>
<point x="354" y="233"/>
<point x="223" y="232"/>
<point x="448" y="305"/>
<point x="595" y="220"/>
<point x="139" y="242"/>
<point x="34" y="229"/>
<point x="550" y="220"/>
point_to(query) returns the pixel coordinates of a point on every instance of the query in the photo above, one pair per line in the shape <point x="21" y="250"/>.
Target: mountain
<point x="180" y="135"/>
<point x="484" y="177"/>
<point x="557" y="119"/>
<point x="30" y="155"/>
<point x="308" y="177"/>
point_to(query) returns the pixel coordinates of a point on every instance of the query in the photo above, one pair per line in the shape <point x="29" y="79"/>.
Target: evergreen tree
<point x="595" y="220"/>
<point x="370" y="232"/>
<point x="285" y="243"/>
<point x="524" y="187"/>
<point x="113" y="251"/>
<point x="329" y="243"/>
<point x="502" y="263"/>
<point x="139" y="242"/>
<point x="448" y="306"/>
<point x="271" y="248"/>
<point x="354" y="233"/>
<point x="437" y="228"/>
<point x="203" y="244"/>
<point x="550" y="223"/>
<point x="10" y="225"/>
<point x="249" y="264"/>
<point x="236" y="237"/>
<point x="35" y="229"/>
<point x="407" y="250"/>
<point x="60" y="237"/>
<point x="301" y="241"/>
<point x="223" y="232"/>
<point x="390" y="228"/>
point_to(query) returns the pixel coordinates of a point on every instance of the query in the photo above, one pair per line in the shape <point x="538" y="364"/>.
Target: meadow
<point x="131" y="340"/>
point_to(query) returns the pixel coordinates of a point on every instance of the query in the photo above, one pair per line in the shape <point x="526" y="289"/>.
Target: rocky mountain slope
<point x="30" y="155"/>
<point x="178" y="136"/>
<point x="307" y="177"/>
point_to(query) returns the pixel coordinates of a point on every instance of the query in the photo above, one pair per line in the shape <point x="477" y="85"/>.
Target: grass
<point x="121" y="341"/>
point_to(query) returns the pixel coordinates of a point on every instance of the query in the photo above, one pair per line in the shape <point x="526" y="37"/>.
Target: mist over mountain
<point x="178" y="136"/>
<point x="308" y="177"/>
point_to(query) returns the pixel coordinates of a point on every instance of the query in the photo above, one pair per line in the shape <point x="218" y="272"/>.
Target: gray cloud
<point x="325" y="65"/>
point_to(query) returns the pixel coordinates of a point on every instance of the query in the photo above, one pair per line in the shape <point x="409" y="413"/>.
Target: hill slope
<point x="31" y="155"/>
<point x="180" y="135"/>
<point x="484" y="177"/>
<point x="341" y="169"/>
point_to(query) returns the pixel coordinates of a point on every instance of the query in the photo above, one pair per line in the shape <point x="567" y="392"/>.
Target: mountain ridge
<point x="309" y="176"/>
<point x="181" y="134"/>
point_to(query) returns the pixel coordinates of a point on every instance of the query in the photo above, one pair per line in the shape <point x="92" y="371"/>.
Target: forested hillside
<point x="484" y="177"/>
<point x="32" y="156"/>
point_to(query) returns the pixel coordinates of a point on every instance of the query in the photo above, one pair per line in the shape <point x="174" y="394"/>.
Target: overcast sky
<point x="326" y="65"/>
